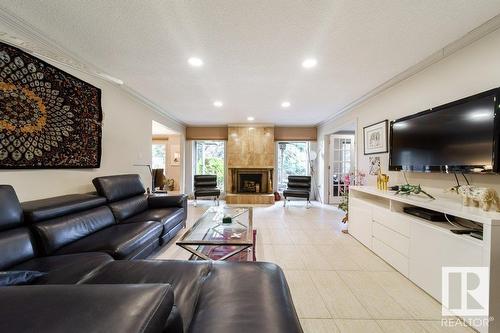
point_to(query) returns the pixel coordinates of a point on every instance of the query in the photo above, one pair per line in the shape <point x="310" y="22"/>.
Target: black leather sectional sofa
<point x="84" y="245"/>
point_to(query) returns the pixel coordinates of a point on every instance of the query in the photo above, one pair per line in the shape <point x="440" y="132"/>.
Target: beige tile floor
<point x="337" y="284"/>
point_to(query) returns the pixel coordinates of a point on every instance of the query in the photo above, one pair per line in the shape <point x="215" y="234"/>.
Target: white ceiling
<point x="253" y="49"/>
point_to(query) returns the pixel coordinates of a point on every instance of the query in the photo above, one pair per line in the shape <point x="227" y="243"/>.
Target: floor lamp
<point x="312" y="157"/>
<point x="151" y="173"/>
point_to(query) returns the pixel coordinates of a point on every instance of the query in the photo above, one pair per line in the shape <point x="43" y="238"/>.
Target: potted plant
<point x="354" y="178"/>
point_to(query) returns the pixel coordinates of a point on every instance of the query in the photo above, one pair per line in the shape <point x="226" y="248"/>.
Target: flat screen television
<point x="462" y="136"/>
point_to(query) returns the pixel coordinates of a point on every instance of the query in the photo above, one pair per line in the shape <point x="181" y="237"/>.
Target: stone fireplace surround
<point x="250" y="152"/>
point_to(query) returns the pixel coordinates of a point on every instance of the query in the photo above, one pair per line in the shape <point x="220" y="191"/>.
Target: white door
<point x="342" y="160"/>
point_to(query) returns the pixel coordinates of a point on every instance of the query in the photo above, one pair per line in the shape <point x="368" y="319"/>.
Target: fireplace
<point x="250" y="165"/>
<point x="251" y="181"/>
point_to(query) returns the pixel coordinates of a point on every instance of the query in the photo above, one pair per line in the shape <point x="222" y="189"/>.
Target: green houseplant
<point x="354" y="178"/>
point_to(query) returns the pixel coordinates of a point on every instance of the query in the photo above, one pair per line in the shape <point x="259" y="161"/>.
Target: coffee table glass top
<point x="210" y="230"/>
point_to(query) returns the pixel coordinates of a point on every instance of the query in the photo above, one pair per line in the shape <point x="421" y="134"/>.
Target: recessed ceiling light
<point x="218" y="104"/>
<point x="285" y="104"/>
<point x="309" y="63"/>
<point x="195" y="62"/>
<point x="250" y="118"/>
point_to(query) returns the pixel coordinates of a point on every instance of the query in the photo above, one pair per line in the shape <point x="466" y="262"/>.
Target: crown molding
<point x="38" y="41"/>
<point x="472" y="36"/>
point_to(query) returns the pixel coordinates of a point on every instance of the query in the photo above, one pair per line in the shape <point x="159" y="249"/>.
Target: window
<point x="209" y="159"/>
<point x="292" y="161"/>
<point x="159" y="152"/>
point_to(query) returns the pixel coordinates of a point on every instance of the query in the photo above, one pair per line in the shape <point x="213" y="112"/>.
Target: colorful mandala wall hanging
<point x="48" y="118"/>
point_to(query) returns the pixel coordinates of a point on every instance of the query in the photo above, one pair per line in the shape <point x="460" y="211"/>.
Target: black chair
<point x="206" y="186"/>
<point x="298" y="187"/>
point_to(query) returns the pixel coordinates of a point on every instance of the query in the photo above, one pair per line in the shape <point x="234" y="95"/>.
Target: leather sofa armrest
<point x="86" y="308"/>
<point x="167" y="201"/>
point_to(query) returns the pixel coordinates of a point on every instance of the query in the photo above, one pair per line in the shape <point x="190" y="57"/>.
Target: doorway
<point x="341" y="165"/>
<point x="166" y="158"/>
<point x="341" y="162"/>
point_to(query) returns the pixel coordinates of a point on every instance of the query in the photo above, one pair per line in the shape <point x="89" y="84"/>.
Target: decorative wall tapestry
<point x="48" y="118"/>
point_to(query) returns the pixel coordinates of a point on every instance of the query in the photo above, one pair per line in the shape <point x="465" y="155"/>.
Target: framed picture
<point x="376" y="138"/>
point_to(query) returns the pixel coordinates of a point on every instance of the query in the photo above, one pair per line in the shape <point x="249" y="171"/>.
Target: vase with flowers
<point x="356" y="177"/>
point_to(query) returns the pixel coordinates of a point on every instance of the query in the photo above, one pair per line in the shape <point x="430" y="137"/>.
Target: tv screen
<point x="456" y="137"/>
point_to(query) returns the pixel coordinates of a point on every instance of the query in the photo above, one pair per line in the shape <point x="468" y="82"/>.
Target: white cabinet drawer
<point x="360" y="222"/>
<point x="393" y="257"/>
<point x="395" y="221"/>
<point x="432" y="249"/>
<point x="391" y="238"/>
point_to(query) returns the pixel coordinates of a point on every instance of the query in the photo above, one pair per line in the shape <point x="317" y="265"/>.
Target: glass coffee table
<point x="211" y="239"/>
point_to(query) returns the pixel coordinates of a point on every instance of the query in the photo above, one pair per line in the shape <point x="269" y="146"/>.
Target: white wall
<point x="127" y="130"/>
<point x="471" y="70"/>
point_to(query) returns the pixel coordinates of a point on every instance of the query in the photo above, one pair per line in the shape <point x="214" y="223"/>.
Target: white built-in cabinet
<point x="362" y="228"/>
<point x="418" y="248"/>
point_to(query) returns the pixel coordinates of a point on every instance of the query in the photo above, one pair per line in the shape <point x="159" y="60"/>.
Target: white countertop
<point x="443" y="204"/>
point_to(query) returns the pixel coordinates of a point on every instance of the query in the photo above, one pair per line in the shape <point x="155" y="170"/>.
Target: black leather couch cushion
<point x="172" y="232"/>
<point x="186" y="278"/>
<point x="11" y="214"/>
<point x="85" y="308"/>
<point x="166" y="201"/>
<point x="64" y="230"/>
<point x="15" y="278"/>
<point x="121" y="241"/>
<point x="45" y="209"/>
<point x="125" y="194"/>
<point x="16" y="246"/>
<point x="215" y="296"/>
<point x="168" y="217"/>
<point x="65" y="269"/>
<point x="126" y="208"/>
<point x="118" y="187"/>
<point x="245" y="298"/>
